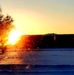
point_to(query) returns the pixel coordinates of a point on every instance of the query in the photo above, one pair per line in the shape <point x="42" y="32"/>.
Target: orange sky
<point x="41" y="16"/>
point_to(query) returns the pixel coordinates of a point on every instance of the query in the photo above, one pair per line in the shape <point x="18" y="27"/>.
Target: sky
<point x="41" y="16"/>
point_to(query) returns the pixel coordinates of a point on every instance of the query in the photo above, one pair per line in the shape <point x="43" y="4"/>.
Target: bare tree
<point x="5" y="27"/>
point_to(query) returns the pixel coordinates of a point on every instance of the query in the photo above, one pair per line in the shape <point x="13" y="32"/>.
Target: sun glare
<point x="14" y="37"/>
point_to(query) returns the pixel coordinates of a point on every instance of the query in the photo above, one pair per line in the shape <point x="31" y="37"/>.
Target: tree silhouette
<point x="5" y="27"/>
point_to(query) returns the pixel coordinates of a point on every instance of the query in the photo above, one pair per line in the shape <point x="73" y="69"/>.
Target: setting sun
<point x="14" y="37"/>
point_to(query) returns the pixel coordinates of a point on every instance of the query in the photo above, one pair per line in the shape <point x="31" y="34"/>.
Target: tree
<point x="5" y="27"/>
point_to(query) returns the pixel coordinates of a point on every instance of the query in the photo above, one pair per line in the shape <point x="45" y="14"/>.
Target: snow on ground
<point x="40" y="57"/>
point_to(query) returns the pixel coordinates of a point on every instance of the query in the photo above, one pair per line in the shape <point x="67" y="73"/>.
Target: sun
<point x="14" y="36"/>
